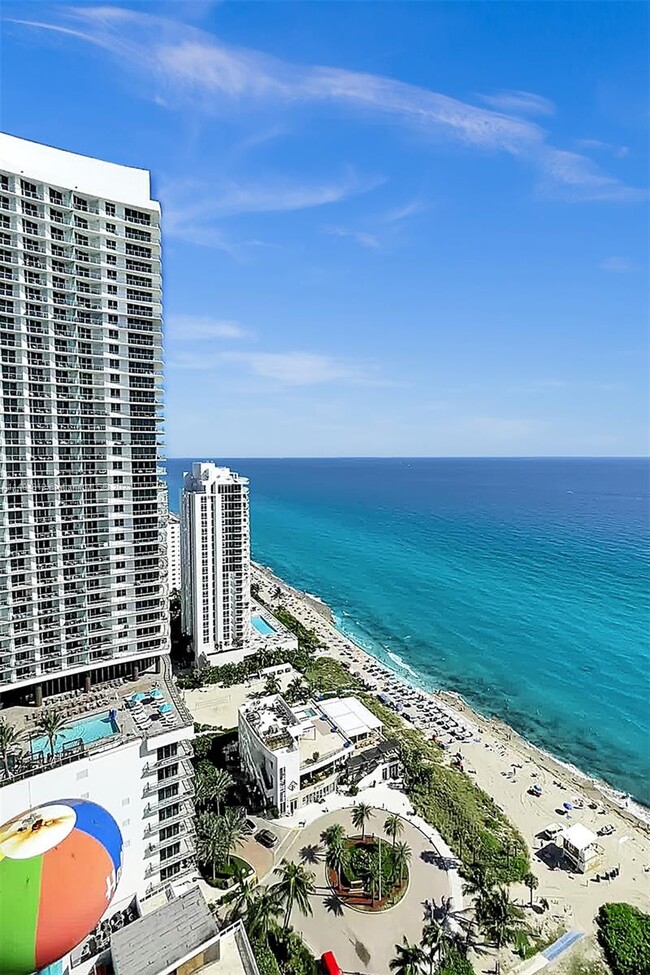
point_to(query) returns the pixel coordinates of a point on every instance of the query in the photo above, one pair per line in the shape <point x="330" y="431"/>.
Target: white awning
<point x="351" y="717"/>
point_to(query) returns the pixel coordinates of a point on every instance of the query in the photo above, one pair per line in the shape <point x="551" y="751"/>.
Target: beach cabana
<point x="581" y="848"/>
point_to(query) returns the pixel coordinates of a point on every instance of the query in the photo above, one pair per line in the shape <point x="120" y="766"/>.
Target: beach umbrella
<point x="568" y="806"/>
<point x="139" y="696"/>
<point x="59" y="867"/>
<point x="165" y="708"/>
<point x="157" y="694"/>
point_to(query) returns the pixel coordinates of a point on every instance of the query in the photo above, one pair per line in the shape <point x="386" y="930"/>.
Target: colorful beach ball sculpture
<point x="59" y="866"/>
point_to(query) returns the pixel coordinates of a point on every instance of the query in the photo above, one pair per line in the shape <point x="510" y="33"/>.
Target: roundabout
<point x="361" y="929"/>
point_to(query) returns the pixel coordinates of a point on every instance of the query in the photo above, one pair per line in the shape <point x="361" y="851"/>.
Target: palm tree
<point x="211" y="785"/>
<point x="294" y="886"/>
<point x="209" y="840"/>
<point x="409" y="959"/>
<point x="333" y="834"/>
<point x="361" y="813"/>
<point x="261" y="913"/>
<point x="373" y="876"/>
<point x="296" y="691"/>
<point x="50" y="724"/>
<point x="242" y="899"/>
<point x="401" y="859"/>
<point x="500" y="919"/>
<point x="8" y="739"/>
<point x="480" y="880"/>
<point x="445" y="931"/>
<point x="336" y="858"/>
<point x="271" y="685"/>
<point x="393" y="827"/>
<point x="531" y="881"/>
<point x="233" y="829"/>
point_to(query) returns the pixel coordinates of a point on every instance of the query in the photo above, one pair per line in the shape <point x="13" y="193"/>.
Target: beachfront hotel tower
<point x="215" y="559"/>
<point x="82" y="535"/>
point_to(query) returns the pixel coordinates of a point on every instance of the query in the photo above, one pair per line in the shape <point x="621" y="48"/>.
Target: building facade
<point x="215" y="560"/>
<point x="296" y="755"/>
<point x="82" y="543"/>
<point x="83" y="564"/>
<point x="174" y="552"/>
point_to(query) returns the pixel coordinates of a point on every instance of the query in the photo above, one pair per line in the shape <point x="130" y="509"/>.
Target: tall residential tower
<point x="82" y="536"/>
<point x="215" y="547"/>
<point x="83" y="574"/>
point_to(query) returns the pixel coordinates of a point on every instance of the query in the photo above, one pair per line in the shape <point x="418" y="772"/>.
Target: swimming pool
<point x="262" y="626"/>
<point x="88" y="730"/>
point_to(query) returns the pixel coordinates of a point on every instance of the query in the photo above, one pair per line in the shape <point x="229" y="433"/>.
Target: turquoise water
<point x="260" y="624"/>
<point x="521" y="584"/>
<point x="88" y="730"/>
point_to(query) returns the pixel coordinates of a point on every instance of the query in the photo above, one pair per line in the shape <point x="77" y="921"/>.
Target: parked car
<point x="249" y="826"/>
<point x="266" y="838"/>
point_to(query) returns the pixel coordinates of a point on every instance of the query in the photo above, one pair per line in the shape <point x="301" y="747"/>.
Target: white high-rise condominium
<point x="215" y="556"/>
<point x="174" y="552"/>
<point x="82" y="584"/>
<point x="83" y="568"/>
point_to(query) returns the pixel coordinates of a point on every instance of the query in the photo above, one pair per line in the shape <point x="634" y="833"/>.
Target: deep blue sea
<point x="521" y="584"/>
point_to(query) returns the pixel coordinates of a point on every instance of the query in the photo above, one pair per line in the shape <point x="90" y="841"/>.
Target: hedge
<point x="624" y="934"/>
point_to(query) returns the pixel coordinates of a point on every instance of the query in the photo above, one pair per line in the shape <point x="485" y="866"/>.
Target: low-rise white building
<point x="296" y="754"/>
<point x="581" y="848"/>
<point x="174" y="552"/>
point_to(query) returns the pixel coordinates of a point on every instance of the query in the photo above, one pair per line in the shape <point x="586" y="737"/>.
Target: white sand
<point x="505" y="765"/>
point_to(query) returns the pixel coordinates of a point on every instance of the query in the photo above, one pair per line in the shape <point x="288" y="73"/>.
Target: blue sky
<point x="390" y="229"/>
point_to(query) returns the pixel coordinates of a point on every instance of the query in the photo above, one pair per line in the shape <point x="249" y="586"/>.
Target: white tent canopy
<point x="351" y="717"/>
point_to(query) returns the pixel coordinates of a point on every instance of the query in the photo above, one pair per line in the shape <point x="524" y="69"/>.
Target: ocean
<point x="520" y="584"/>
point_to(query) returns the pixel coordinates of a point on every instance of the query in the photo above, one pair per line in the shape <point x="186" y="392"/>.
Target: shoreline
<point x="598" y="790"/>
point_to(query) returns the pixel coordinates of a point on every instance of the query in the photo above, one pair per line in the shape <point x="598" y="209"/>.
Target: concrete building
<point x="83" y="568"/>
<point x="82" y="545"/>
<point x="215" y="560"/>
<point x="174" y="552"/>
<point x="296" y="755"/>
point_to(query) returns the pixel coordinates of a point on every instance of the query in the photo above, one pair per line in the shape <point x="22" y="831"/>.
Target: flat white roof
<point x="350" y="716"/>
<point x="579" y="836"/>
<point x="69" y="170"/>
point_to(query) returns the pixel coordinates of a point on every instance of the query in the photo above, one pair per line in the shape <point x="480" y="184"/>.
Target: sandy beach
<point x="505" y="765"/>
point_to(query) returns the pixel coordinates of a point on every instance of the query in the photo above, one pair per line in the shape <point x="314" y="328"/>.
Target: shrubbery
<point x="624" y="934"/>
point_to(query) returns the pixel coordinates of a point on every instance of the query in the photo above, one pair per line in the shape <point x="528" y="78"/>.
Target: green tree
<point x="296" y="691"/>
<point x="211" y="785"/>
<point x="262" y="912"/>
<point x="409" y="959"/>
<point x="336" y="851"/>
<point x="480" y="880"/>
<point x="8" y="740"/>
<point x="393" y="827"/>
<point x="361" y="814"/>
<point x="500" y="919"/>
<point x="240" y="899"/>
<point x="51" y="725"/>
<point x="209" y="841"/>
<point x="271" y="685"/>
<point x="401" y="859"/>
<point x="531" y="881"/>
<point x="295" y="884"/>
<point x="233" y="830"/>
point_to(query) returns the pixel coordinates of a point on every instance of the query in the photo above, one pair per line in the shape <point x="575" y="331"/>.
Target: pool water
<point x="262" y="626"/>
<point x="88" y="730"/>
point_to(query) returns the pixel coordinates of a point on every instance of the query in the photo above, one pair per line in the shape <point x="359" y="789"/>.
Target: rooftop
<point x="142" y="708"/>
<point x="305" y="727"/>
<point x="350" y="716"/>
<point x="579" y="836"/>
<point x="157" y="942"/>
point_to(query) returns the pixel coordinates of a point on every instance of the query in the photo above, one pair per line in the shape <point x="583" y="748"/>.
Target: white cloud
<point x="296" y="368"/>
<point x="403" y="212"/>
<point x="188" y="65"/>
<point x="201" y="328"/>
<point x="619" y="265"/>
<point x="519" y="103"/>
<point x="365" y="239"/>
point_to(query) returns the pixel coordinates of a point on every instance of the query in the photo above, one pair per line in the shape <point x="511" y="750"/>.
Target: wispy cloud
<point x="282" y="369"/>
<point x="618" y="265"/>
<point x="402" y="213"/>
<point x="185" y="64"/>
<point x="194" y="209"/>
<point x="202" y="328"/>
<point x="365" y="239"/>
<point x="619" y="152"/>
<point x="519" y="103"/>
